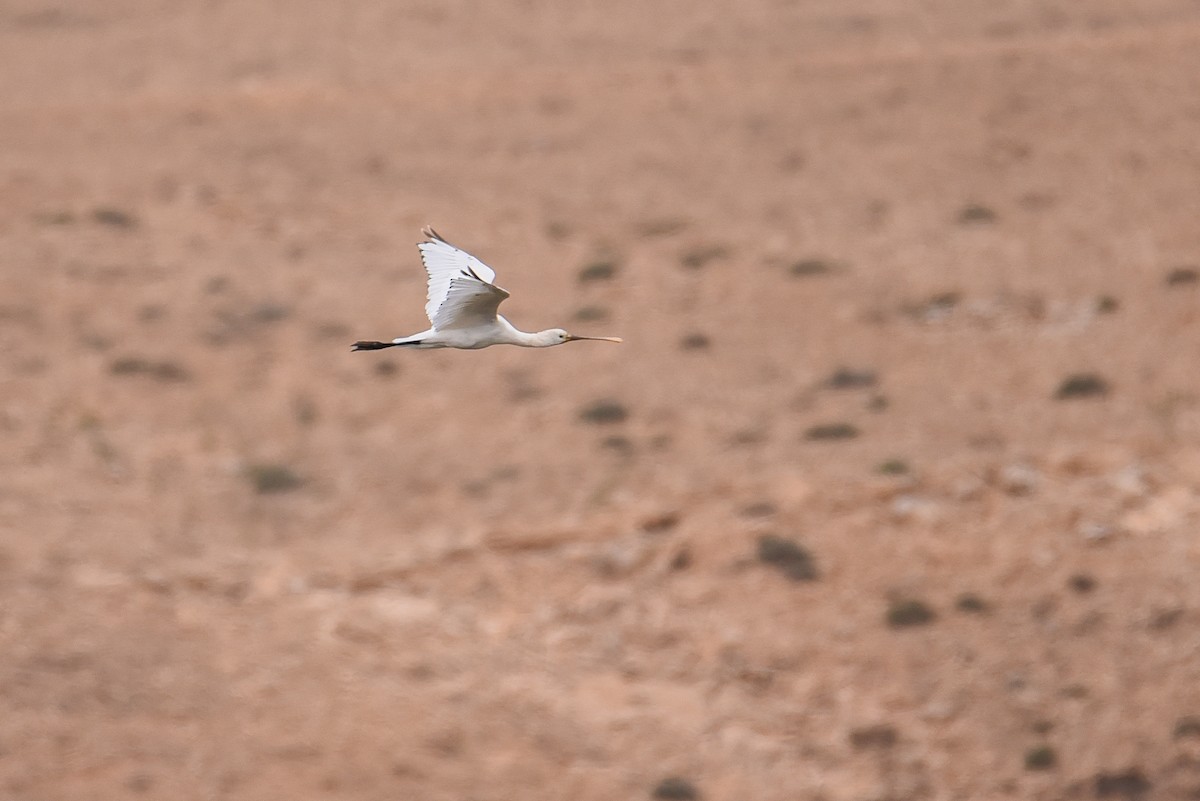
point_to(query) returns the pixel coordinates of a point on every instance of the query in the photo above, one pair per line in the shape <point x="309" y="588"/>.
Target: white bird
<point x="462" y="303"/>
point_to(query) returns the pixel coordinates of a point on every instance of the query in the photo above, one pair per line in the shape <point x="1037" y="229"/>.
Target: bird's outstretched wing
<point x="468" y="303"/>
<point x="446" y="264"/>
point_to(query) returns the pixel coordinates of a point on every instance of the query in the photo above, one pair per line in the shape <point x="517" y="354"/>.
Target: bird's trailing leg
<point x="366" y="345"/>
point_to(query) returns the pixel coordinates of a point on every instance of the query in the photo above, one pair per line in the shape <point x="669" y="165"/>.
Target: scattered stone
<point x="971" y="603"/>
<point x="934" y="308"/>
<point x="909" y="507"/>
<point x="879" y="736"/>
<point x="893" y="467"/>
<point x="792" y="559"/>
<point x="1131" y="482"/>
<point x="699" y="257"/>
<point x="1131" y="784"/>
<point x="831" y="431"/>
<point x="877" y="403"/>
<point x="386" y="369"/>
<point x="591" y="314"/>
<point x="674" y="788"/>
<point x="558" y="230"/>
<point x="1107" y="304"/>
<point x="758" y="509"/>
<point x="1043" y="757"/>
<point x="1093" y="532"/>
<point x="165" y="371"/>
<point x="306" y="410"/>
<point x="847" y="378"/>
<point x="976" y="213"/>
<point x="909" y="612"/>
<point x="269" y="479"/>
<point x="1183" y="276"/>
<point x="600" y="270"/>
<point x="1082" y="583"/>
<point x="54" y="218"/>
<point x="269" y="313"/>
<point x="682" y="559"/>
<point x="617" y="444"/>
<point x="1019" y="479"/>
<point x="1082" y="385"/>
<point x="807" y="268"/>
<point x="665" y="226"/>
<point x="604" y="412"/>
<point x="1187" y="727"/>
<point x="113" y="217"/>
<point x="1163" y="619"/>
<point x="660" y="522"/>
<point x="151" y="313"/>
<point x="694" y="342"/>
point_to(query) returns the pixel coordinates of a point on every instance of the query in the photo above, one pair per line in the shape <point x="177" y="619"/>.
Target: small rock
<point x="604" y="412"/>
<point x="699" y="257"/>
<point x="269" y="479"/>
<point x="831" y="431"/>
<point x="268" y="312"/>
<point x="113" y="217"/>
<point x="1019" y="479"/>
<point x="1081" y="583"/>
<point x="665" y="226"/>
<point x="893" y="467"/>
<point x="659" y="523"/>
<point x="1130" y="481"/>
<point x="793" y="560"/>
<point x="909" y="612"/>
<point x="879" y="736"/>
<point x="971" y="603"/>
<point x="758" y="509"/>
<point x="600" y="270"/>
<point x="806" y="268"/>
<point x="1093" y="532"/>
<point x="935" y="308"/>
<point x="1131" y="784"/>
<point x="694" y="342"/>
<point x="847" y="378"/>
<point x="975" y="213"/>
<point x="1042" y="757"/>
<point x="1183" y="276"/>
<point x="1187" y="728"/>
<point x="617" y="444"/>
<point x="682" y="559"/>
<point x="591" y="314"/>
<point x="674" y="788"/>
<point x="166" y="371"/>
<point x="1082" y="385"/>
<point x="906" y="508"/>
<point x="1107" y="304"/>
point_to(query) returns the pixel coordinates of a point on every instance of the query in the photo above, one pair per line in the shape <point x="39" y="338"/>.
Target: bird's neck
<point x="537" y="339"/>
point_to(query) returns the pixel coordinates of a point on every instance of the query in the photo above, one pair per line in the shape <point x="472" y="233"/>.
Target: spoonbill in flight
<point x="462" y="303"/>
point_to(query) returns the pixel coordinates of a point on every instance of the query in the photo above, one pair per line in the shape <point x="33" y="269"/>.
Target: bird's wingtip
<point x="428" y="232"/>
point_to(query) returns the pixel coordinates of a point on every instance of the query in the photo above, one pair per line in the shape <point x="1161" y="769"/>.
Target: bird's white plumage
<point x="462" y="303"/>
<point x="443" y="264"/>
<point x="467" y="303"/>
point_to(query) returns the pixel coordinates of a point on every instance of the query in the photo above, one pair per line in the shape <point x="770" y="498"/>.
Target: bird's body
<point x="462" y="303"/>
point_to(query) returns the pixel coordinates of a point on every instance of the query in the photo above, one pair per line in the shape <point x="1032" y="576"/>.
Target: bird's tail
<point x="372" y="345"/>
<point x="369" y="345"/>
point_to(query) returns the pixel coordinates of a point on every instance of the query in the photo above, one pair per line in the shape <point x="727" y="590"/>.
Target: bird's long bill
<point x="572" y="337"/>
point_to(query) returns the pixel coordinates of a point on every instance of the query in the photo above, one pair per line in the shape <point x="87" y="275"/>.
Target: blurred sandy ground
<point x="834" y="523"/>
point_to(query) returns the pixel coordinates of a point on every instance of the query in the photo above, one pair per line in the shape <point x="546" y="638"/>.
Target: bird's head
<point x="557" y="336"/>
